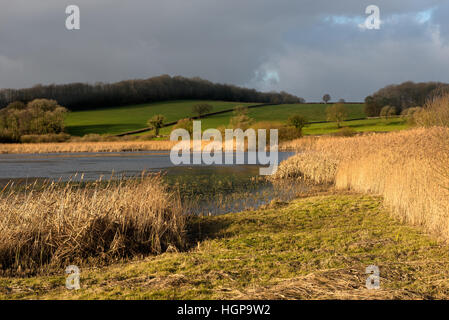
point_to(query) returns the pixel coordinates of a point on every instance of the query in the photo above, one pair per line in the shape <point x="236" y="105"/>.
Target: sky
<point x="305" y="47"/>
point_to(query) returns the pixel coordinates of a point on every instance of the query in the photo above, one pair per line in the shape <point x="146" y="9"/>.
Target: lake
<point x="205" y="189"/>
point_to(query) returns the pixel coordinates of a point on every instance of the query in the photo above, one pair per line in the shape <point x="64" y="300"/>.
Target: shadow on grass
<point x="202" y="228"/>
<point x="102" y="128"/>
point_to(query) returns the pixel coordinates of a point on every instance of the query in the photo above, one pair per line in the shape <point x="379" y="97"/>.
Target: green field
<point x="374" y="125"/>
<point x="127" y="118"/>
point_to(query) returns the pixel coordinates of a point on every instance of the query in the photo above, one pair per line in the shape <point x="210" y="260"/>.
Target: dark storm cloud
<point x="304" y="47"/>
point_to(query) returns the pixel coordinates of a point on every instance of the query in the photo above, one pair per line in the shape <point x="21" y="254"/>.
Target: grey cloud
<point x="272" y="45"/>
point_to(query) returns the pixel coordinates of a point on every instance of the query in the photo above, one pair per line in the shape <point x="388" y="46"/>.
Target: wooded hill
<point x="84" y="96"/>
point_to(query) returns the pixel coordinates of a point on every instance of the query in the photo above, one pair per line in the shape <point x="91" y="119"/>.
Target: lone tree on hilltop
<point x="326" y="98"/>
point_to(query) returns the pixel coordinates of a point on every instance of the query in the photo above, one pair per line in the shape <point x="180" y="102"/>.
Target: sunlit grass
<point x="314" y="248"/>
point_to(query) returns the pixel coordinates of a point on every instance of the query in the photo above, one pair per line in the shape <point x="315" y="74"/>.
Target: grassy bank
<point x="313" y="248"/>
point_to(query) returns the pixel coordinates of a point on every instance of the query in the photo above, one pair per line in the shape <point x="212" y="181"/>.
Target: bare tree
<point x="156" y="123"/>
<point x="337" y="113"/>
<point x="326" y="98"/>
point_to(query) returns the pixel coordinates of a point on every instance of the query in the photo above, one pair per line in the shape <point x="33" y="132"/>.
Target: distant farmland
<point x="134" y="117"/>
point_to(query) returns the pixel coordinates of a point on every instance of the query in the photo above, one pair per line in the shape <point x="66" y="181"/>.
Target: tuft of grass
<point x="313" y="248"/>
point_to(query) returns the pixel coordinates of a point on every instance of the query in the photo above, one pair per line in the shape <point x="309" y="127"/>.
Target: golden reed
<point x="104" y="146"/>
<point x="59" y="224"/>
<point x="410" y="169"/>
<point x="89" y="146"/>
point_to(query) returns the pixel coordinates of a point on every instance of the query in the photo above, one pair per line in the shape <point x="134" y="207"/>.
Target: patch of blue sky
<point x="345" y="20"/>
<point x="425" y="15"/>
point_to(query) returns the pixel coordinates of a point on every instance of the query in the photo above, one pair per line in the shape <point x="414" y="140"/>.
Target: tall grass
<point x="92" y="146"/>
<point x="435" y="112"/>
<point x="53" y="225"/>
<point x="410" y="169"/>
<point x="113" y="146"/>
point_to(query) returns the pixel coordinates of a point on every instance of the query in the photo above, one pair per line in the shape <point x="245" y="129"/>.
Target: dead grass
<point x="52" y="225"/>
<point x="410" y="169"/>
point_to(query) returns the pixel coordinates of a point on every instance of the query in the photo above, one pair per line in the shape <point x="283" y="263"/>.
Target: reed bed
<point x="410" y="169"/>
<point x="55" y="225"/>
<point x="104" y="146"/>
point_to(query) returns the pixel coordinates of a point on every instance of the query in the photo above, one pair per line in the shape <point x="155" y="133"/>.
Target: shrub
<point x="337" y="113"/>
<point x="6" y="136"/>
<point x="387" y="112"/>
<point x="241" y="121"/>
<point x="42" y="138"/>
<point x="186" y="124"/>
<point x="345" y="132"/>
<point x="298" y="121"/>
<point x="434" y="113"/>
<point x="409" y="114"/>
<point x="285" y="133"/>
<point x="201" y="109"/>
<point x="240" y="110"/>
<point x="38" y="117"/>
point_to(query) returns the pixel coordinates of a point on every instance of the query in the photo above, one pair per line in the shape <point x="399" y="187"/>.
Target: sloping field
<point x="280" y="113"/>
<point x="127" y="118"/>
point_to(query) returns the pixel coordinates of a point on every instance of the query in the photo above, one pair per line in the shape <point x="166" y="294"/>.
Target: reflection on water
<point x="218" y="190"/>
<point x="204" y="189"/>
<point x="91" y="165"/>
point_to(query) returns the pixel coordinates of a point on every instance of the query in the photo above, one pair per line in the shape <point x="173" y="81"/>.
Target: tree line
<point x="37" y="117"/>
<point x="401" y="97"/>
<point x="84" y="96"/>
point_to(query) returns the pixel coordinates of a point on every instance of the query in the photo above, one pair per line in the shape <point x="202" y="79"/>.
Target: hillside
<point x="127" y="118"/>
<point x="122" y="119"/>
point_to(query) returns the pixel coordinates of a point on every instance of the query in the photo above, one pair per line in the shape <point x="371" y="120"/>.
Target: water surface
<point x="205" y="189"/>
